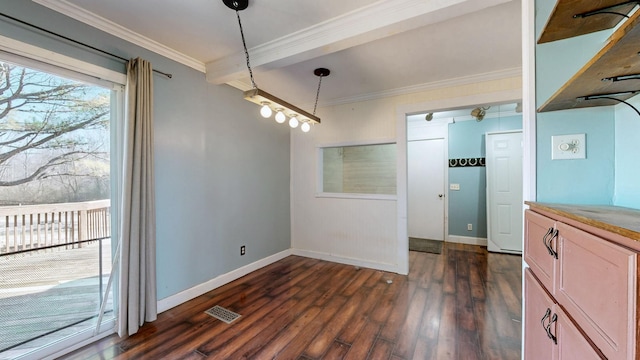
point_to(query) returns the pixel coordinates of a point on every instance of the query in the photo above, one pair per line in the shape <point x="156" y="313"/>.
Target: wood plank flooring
<point x="462" y="304"/>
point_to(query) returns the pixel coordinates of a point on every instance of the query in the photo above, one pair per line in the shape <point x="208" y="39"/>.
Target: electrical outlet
<point x="469" y="227"/>
<point x="242" y="250"/>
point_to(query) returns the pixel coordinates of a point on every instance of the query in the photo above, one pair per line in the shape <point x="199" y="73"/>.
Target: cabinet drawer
<point x="595" y="283"/>
<point x="538" y="232"/>
<point x="537" y="344"/>
<point x="542" y="312"/>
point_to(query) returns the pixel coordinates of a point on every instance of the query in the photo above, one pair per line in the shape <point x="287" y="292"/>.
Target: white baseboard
<point x="191" y="293"/>
<point x="348" y="261"/>
<point x="467" y="240"/>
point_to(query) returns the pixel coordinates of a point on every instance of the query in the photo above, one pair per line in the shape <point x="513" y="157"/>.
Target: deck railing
<point x="35" y="226"/>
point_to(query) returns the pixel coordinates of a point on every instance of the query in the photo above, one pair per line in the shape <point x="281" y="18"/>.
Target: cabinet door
<point x="537" y="314"/>
<point x="536" y="254"/>
<point x="595" y="283"/>
<point x="572" y="345"/>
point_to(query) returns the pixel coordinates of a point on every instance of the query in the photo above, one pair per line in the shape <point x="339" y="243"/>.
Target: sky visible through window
<point x="54" y="138"/>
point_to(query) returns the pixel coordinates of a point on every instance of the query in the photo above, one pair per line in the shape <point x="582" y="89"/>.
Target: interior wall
<point x="469" y="204"/>
<point x="627" y="161"/>
<point x="363" y="231"/>
<point x="578" y="181"/>
<point x="222" y="173"/>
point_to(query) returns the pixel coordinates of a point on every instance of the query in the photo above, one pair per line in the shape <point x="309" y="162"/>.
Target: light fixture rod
<point x="258" y="96"/>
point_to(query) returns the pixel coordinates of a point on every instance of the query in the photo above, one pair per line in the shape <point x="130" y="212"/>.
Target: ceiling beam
<point x="376" y="21"/>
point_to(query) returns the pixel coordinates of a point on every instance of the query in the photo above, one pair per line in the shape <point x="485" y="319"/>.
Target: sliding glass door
<point x="56" y="142"/>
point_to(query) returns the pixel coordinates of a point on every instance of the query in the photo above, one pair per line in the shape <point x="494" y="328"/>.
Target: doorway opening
<point x="446" y="170"/>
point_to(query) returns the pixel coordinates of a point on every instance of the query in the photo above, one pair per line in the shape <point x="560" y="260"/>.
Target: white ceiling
<point x="373" y="48"/>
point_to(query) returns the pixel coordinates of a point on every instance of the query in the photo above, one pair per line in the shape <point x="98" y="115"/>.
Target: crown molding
<point x="77" y="13"/>
<point x="459" y="81"/>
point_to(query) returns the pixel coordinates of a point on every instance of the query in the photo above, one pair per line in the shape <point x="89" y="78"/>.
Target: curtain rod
<point x="77" y="42"/>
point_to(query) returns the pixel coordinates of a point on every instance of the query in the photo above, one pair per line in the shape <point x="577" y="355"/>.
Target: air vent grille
<point x="223" y="314"/>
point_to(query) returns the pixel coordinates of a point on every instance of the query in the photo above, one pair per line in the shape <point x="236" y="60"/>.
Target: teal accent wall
<point x="627" y="149"/>
<point x="469" y="204"/>
<point x="577" y="181"/>
<point x="222" y="172"/>
<point x="608" y="175"/>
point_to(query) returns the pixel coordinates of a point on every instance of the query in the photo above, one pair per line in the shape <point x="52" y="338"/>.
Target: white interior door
<point x="504" y="191"/>
<point x="426" y="195"/>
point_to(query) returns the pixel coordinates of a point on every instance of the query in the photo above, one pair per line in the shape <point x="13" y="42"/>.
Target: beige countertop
<point x="619" y="220"/>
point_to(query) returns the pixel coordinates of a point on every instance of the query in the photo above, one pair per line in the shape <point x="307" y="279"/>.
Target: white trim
<point x="440" y="84"/>
<point x="467" y="240"/>
<point x="382" y="197"/>
<point x="384" y="141"/>
<point x="68" y="345"/>
<point x="528" y="124"/>
<point x="47" y="57"/>
<point x="320" y="179"/>
<point x="346" y="260"/>
<point x="492" y="246"/>
<point x="502" y="132"/>
<point x="402" y="208"/>
<point x="529" y="101"/>
<point x="75" y="12"/>
<point x="191" y="293"/>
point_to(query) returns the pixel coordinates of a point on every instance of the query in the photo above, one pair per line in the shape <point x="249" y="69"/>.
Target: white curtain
<point x="137" y="286"/>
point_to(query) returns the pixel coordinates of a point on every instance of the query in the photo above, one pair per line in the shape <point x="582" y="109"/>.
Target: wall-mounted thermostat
<point x="568" y="147"/>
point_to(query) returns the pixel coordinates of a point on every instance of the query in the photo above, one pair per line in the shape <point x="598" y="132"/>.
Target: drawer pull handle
<point x="554" y="318"/>
<point x="544" y="240"/>
<point x="550" y="247"/>
<point x="546" y="315"/>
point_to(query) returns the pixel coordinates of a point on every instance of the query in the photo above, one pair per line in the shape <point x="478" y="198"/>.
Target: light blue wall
<point x="579" y="181"/>
<point x="627" y="148"/>
<point x="468" y="205"/>
<point x="585" y="181"/>
<point x="222" y="173"/>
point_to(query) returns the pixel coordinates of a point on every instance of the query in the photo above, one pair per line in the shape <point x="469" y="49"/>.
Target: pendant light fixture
<point x="270" y="103"/>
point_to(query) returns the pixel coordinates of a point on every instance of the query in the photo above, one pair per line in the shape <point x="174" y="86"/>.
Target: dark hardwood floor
<point x="462" y="304"/>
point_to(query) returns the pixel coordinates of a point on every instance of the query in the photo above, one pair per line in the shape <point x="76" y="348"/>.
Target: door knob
<point x="440" y="195"/>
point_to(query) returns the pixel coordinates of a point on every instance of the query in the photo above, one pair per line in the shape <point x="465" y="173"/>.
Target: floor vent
<point x="222" y="314"/>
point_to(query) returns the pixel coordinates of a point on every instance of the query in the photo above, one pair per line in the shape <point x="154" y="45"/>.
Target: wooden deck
<point x="49" y="294"/>
<point x="462" y="304"/>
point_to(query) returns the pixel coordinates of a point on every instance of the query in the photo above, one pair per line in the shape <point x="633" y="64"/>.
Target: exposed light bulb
<point x="265" y="111"/>
<point x="305" y="127"/>
<point x="280" y="117"/>
<point x="293" y="122"/>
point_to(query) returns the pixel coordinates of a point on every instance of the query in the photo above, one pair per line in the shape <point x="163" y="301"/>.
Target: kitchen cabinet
<point x="589" y="271"/>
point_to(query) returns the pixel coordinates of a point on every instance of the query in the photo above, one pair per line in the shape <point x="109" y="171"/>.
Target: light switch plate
<point x="568" y="147"/>
<point x="454" y="186"/>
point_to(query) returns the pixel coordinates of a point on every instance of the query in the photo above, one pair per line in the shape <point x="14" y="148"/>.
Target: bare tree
<point x="47" y="123"/>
